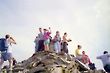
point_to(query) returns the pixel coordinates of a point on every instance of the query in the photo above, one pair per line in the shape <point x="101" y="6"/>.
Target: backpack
<point x="3" y="44"/>
<point x="92" y="66"/>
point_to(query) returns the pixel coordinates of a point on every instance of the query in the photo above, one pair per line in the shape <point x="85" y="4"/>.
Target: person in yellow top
<point x="78" y="52"/>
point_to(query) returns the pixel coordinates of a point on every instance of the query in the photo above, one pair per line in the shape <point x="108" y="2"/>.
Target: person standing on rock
<point x="65" y="43"/>
<point x="46" y="37"/>
<point x="7" y="55"/>
<point x="36" y="41"/>
<point x="41" y="40"/>
<point x="57" y="42"/>
<point x="105" y="58"/>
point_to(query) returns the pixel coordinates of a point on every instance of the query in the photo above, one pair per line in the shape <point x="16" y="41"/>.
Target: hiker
<point x="105" y="58"/>
<point x="78" y="53"/>
<point x="46" y="39"/>
<point x="7" y="54"/>
<point x="85" y="58"/>
<point x="36" y="41"/>
<point x="41" y="40"/>
<point x="65" y="43"/>
<point x="57" y="42"/>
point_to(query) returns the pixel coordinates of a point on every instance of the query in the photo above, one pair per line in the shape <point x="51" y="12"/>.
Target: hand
<point x="69" y="40"/>
<point x="15" y="43"/>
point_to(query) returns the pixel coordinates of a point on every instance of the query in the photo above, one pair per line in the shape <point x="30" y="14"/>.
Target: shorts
<point x="6" y="56"/>
<point x="46" y="42"/>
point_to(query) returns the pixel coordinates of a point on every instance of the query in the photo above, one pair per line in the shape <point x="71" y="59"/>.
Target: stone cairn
<point x="51" y="62"/>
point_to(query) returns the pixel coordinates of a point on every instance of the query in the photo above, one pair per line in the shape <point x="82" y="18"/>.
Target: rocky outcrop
<point x="50" y="62"/>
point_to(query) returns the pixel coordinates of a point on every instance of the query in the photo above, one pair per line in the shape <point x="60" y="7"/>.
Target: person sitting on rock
<point x="78" y="53"/>
<point x="85" y="58"/>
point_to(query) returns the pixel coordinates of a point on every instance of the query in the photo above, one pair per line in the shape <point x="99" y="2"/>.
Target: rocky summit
<point x="51" y="62"/>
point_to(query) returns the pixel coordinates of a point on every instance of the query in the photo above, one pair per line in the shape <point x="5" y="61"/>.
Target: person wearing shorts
<point x="7" y="55"/>
<point x="46" y="39"/>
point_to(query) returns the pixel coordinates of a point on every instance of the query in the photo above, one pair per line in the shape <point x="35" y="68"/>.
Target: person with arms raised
<point x="7" y="54"/>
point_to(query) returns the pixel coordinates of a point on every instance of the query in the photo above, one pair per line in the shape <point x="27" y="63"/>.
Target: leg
<point x="55" y="47"/>
<point x="42" y="45"/>
<point x="65" y="47"/>
<point x="10" y="64"/>
<point x="39" y="45"/>
<point x="10" y="61"/>
<point x="59" y="47"/>
<point x="1" y="63"/>
<point x="46" y="45"/>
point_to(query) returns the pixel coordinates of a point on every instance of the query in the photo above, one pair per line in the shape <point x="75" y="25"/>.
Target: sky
<point x="87" y="23"/>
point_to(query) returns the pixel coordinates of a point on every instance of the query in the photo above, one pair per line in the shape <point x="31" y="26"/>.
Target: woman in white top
<point x="9" y="41"/>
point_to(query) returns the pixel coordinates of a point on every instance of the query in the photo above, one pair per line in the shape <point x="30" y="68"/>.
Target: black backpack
<point x="92" y="66"/>
<point x="3" y="44"/>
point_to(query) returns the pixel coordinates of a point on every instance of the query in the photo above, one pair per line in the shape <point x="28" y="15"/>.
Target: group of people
<point x="83" y="57"/>
<point x="43" y="41"/>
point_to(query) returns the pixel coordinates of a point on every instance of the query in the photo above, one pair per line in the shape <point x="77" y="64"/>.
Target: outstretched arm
<point x="99" y="57"/>
<point x="108" y="55"/>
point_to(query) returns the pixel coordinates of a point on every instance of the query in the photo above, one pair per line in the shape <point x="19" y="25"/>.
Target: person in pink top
<point x="85" y="58"/>
<point x="46" y="39"/>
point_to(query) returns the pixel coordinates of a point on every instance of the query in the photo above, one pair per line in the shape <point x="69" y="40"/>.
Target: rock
<point x="51" y="62"/>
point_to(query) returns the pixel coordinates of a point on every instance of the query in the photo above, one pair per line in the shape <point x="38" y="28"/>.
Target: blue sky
<point x="87" y="22"/>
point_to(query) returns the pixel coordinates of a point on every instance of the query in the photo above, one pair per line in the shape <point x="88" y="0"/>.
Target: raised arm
<point x="12" y="40"/>
<point x="50" y="30"/>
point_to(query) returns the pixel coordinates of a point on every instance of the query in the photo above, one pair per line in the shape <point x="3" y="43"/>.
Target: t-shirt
<point x="78" y="52"/>
<point x="9" y="50"/>
<point x="47" y="35"/>
<point x="40" y="36"/>
<point x="105" y="59"/>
